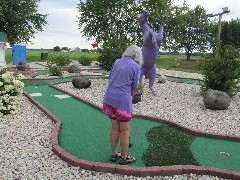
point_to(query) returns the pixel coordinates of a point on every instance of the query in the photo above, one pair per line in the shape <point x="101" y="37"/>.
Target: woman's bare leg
<point x="124" y="137"/>
<point x="114" y="135"/>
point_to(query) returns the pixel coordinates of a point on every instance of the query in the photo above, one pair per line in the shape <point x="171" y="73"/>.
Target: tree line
<point x="105" y="21"/>
<point x="186" y="29"/>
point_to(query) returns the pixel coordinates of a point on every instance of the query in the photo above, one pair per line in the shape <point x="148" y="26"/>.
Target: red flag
<point x="94" y="45"/>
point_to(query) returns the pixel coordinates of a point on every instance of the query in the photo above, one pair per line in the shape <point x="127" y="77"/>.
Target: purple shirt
<point x="124" y="75"/>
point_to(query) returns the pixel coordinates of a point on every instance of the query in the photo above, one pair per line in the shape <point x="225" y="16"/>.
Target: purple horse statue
<point x="151" y="43"/>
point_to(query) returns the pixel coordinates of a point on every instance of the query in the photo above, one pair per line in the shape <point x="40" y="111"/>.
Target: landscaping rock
<point x="216" y="100"/>
<point x="74" y="68"/>
<point x="81" y="83"/>
<point x="33" y="75"/>
<point x="162" y="79"/>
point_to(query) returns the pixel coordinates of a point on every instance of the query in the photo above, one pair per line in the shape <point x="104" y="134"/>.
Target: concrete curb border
<point x="52" y="78"/>
<point x="131" y="170"/>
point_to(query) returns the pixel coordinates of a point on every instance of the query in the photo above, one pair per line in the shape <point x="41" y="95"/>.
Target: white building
<point x="3" y="40"/>
<point x="75" y="49"/>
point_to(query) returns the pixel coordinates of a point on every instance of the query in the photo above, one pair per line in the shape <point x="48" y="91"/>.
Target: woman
<point x="117" y="103"/>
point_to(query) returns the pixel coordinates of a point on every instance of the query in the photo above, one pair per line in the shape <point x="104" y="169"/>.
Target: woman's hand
<point x="133" y="91"/>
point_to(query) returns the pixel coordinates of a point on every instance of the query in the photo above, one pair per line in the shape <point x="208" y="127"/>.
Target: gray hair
<point x="134" y="52"/>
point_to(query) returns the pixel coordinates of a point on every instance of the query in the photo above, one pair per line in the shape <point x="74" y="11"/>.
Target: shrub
<point x="112" y="50"/>
<point x="54" y="70"/>
<point x="56" y="63"/>
<point x="59" y="60"/>
<point x="21" y="66"/>
<point x="85" y="60"/>
<point x="10" y="87"/>
<point x="221" y="71"/>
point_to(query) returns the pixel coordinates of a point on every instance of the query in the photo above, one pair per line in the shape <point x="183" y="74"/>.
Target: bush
<point x="56" y="63"/>
<point x="59" y="60"/>
<point x="221" y="71"/>
<point x="112" y="50"/>
<point x="85" y="50"/>
<point x="54" y="70"/>
<point x="85" y="61"/>
<point x="10" y="87"/>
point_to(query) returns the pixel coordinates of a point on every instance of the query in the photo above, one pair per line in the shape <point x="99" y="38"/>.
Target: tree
<point x="112" y="50"/>
<point x="65" y="48"/>
<point x="114" y="24"/>
<point x="57" y="48"/>
<point x="230" y="33"/>
<point x="105" y="18"/>
<point x="188" y="29"/>
<point x="100" y="20"/>
<point x="156" y="9"/>
<point x="20" y="20"/>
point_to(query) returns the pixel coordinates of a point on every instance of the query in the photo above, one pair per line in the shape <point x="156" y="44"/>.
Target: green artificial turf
<point x="217" y="153"/>
<point x="33" y="82"/>
<point x="85" y="134"/>
<point x="100" y="71"/>
<point x="41" y="72"/>
<point x="168" y="146"/>
<point x="185" y="80"/>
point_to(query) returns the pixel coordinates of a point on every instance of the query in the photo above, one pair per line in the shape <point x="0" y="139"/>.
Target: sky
<point x="63" y="30"/>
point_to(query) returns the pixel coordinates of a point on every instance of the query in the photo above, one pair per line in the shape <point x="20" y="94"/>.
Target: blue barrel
<point x="19" y="53"/>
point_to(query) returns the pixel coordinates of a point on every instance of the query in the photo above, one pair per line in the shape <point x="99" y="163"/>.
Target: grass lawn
<point x="35" y="55"/>
<point x="164" y="61"/>
<point x="168" y="62"/>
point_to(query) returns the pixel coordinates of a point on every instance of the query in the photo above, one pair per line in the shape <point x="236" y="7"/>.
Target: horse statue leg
<point x="152" y="79"/>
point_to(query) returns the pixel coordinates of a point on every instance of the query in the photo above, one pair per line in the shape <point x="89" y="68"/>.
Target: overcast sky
<point x="62" y="28"/>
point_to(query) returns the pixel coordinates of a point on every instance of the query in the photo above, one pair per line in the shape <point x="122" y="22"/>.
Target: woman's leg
<point x="114" y="135"/>
<point x="124" y="138"/>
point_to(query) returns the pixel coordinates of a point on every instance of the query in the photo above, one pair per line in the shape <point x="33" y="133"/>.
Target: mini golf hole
<point x="224" y="154"/>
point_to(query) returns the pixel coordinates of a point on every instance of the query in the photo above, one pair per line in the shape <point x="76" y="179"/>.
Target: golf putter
<point x="130" y="144"/>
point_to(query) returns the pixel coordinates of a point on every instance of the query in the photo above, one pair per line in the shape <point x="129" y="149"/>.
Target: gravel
<point x="25" y="146"/>
<point x="177" y="102"/>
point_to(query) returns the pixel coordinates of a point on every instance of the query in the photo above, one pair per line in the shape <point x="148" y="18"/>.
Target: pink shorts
<point x="116" y="114"/>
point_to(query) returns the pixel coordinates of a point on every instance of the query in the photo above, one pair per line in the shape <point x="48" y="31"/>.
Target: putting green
<point x="170" y="78"/>
<point x="185" y="80"/>
<point x="217" y="153"/>
<point x="85" y="132"/>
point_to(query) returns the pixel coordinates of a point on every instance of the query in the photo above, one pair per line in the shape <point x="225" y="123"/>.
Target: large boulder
<point x="81" y="83"/>
<point x="74" y="68"/>
<point x="216" y="100"/>
<point x="21" y="66"/>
